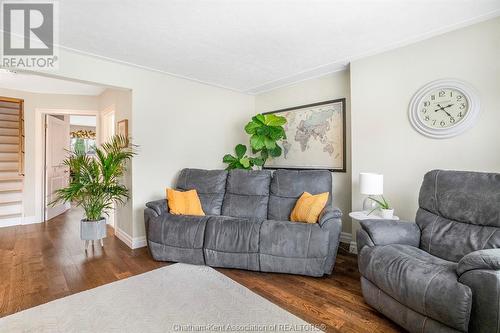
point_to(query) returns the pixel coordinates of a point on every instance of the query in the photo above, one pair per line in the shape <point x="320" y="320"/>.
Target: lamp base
<point x="369" y="205"/>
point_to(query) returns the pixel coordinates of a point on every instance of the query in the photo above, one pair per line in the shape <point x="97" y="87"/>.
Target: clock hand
<point x="443" y="109"/>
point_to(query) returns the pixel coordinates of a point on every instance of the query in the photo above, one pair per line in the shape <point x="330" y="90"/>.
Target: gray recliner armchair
<point x="247" y="223"/>
<point x="441" y="274"/>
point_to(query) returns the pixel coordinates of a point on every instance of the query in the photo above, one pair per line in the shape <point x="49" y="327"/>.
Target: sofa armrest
<point x="385" y="232"/>
<point x="483" y="259"/>
<point x="330" y="221"/>
<point x="329" y="213"/>
<point x="485" y="287"/>
<point x="158" y="206"/>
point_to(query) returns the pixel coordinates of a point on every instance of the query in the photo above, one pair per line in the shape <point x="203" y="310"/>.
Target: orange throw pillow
<point x="308" y="207"/>
<point x="184" y="203"/>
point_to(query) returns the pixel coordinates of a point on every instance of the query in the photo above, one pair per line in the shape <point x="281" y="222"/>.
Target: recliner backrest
<point x="247" y="193"/>
<point x="210" y="185"/>
<point x="288" y="185"/>
<point x="459" y="213"/>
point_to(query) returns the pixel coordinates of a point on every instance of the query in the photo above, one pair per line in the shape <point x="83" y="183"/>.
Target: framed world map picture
<point x="315" y="137"/>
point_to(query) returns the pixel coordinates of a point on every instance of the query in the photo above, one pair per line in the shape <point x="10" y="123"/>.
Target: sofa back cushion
<point x="288" y="185"/>
<point x="459" y="213"/>
<point x="247" y="193"/>
<point x="210" y="185"/>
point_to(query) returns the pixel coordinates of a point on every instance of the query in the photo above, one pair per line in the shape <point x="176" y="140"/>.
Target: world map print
<point x="315" y="138"/>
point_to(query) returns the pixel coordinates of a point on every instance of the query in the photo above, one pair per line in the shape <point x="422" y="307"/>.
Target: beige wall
<point x="33" y="101"/>
<point x="176" y="122"/>
<point x="120" y="101"/>
<point x="382" y="137"/>
<point x="325" y="88"/>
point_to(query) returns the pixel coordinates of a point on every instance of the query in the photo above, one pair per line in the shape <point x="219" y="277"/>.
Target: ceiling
<point x="45" y="85"/>
<point x="254" y="46"/>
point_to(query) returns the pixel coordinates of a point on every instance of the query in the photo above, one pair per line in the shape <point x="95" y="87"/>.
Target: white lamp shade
<point x="371" y="183"/>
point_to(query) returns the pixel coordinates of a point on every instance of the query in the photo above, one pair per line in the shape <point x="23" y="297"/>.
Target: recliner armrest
<point x="488" y="259"/>
<point x="159" y="206"/>
<point x="329" y="213"/>
<point x="385" y="232"/>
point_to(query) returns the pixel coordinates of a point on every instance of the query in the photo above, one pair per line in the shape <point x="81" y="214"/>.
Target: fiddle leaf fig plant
<point x="241" y="160"/>
<point x="265" y="131"/>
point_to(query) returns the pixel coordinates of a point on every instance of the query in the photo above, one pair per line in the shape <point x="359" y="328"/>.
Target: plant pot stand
<point x="92" y="231"/>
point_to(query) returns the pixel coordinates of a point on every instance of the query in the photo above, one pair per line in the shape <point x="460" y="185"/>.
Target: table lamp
<point x="370" y="184"/>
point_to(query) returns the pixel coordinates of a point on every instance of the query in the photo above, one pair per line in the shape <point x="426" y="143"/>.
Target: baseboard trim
<point x="19" y="221"/>
<point x="132" y="242"/>
<point x="346" y="238"/>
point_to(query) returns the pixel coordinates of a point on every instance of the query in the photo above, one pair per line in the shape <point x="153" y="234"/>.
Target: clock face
<point x="443" y="108"/>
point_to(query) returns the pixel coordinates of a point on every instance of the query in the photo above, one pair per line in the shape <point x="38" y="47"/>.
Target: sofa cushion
<point x="210" y="185"/>
<point x="177" y="238"/>
<point x="288" y="185"/>
<point x="422" y="282"/>
<point x="232" y="234"/>
<point x="459" y="213"/>
<point x="178" y="230"/>
<point x="247" y="193"/>
<point x="232" y="242"/>
<point x="290" y="247"/>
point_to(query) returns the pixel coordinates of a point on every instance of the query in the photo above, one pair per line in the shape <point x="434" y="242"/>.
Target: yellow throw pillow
<point x="308" y="207"/>
<point x="184" y="203"/>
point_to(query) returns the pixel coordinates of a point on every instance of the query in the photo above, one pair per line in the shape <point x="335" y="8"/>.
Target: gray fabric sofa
<point x="441" y="274"/>
<point x="247" y="223"/>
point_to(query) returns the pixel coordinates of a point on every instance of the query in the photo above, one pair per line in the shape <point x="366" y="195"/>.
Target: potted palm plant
<point x="95" y="184"/>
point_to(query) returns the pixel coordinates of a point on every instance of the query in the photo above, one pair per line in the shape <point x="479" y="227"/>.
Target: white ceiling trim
<point x="310" y="73"/>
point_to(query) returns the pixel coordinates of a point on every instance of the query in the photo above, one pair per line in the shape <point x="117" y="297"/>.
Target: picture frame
<point x="122" y="128"/>
<point x="327" y="139"/>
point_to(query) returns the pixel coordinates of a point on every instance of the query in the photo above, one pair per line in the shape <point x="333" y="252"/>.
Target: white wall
<point x="176" y="122"/>
<point x="33" y="101"/>
<point x="321" y="89"/>
<point x="382" y="137"/>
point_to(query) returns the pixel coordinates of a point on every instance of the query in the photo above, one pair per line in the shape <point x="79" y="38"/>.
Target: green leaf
<point x="276" y="132"/>
<point x="259" y="118"/>
<point x="245" y="161"/>
<point x="275" y="152"/>
<point x="270" y="143"/>
<point x="251" y="127"/>
<point x="257" y="161"/>
<point x="240" y="150"/>
<point x="274" y="120"/>
<point x="228" y="158"/>
<point x="257" y="142"/>
<point x="264" y="130"/>
<point x="264" y="154"/>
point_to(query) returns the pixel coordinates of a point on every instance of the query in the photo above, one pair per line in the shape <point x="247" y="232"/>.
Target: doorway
<point x="64" y="133"/>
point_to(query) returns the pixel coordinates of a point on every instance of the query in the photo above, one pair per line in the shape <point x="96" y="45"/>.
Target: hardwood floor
<point x="40" y="263"/>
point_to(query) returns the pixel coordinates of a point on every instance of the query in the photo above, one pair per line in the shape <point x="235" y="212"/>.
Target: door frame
<point x="40" y="151"/>
<point x="110" y="110"/>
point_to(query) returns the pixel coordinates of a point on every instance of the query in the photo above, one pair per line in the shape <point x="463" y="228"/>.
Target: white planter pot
<point x="387" y="213"/>
<point x="92" y="230"/>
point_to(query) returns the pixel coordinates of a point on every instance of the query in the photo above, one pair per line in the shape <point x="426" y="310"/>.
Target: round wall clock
<point x="444" y="108"/>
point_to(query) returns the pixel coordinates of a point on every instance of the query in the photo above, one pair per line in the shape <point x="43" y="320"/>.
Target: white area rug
<point x="176" y="298"/>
